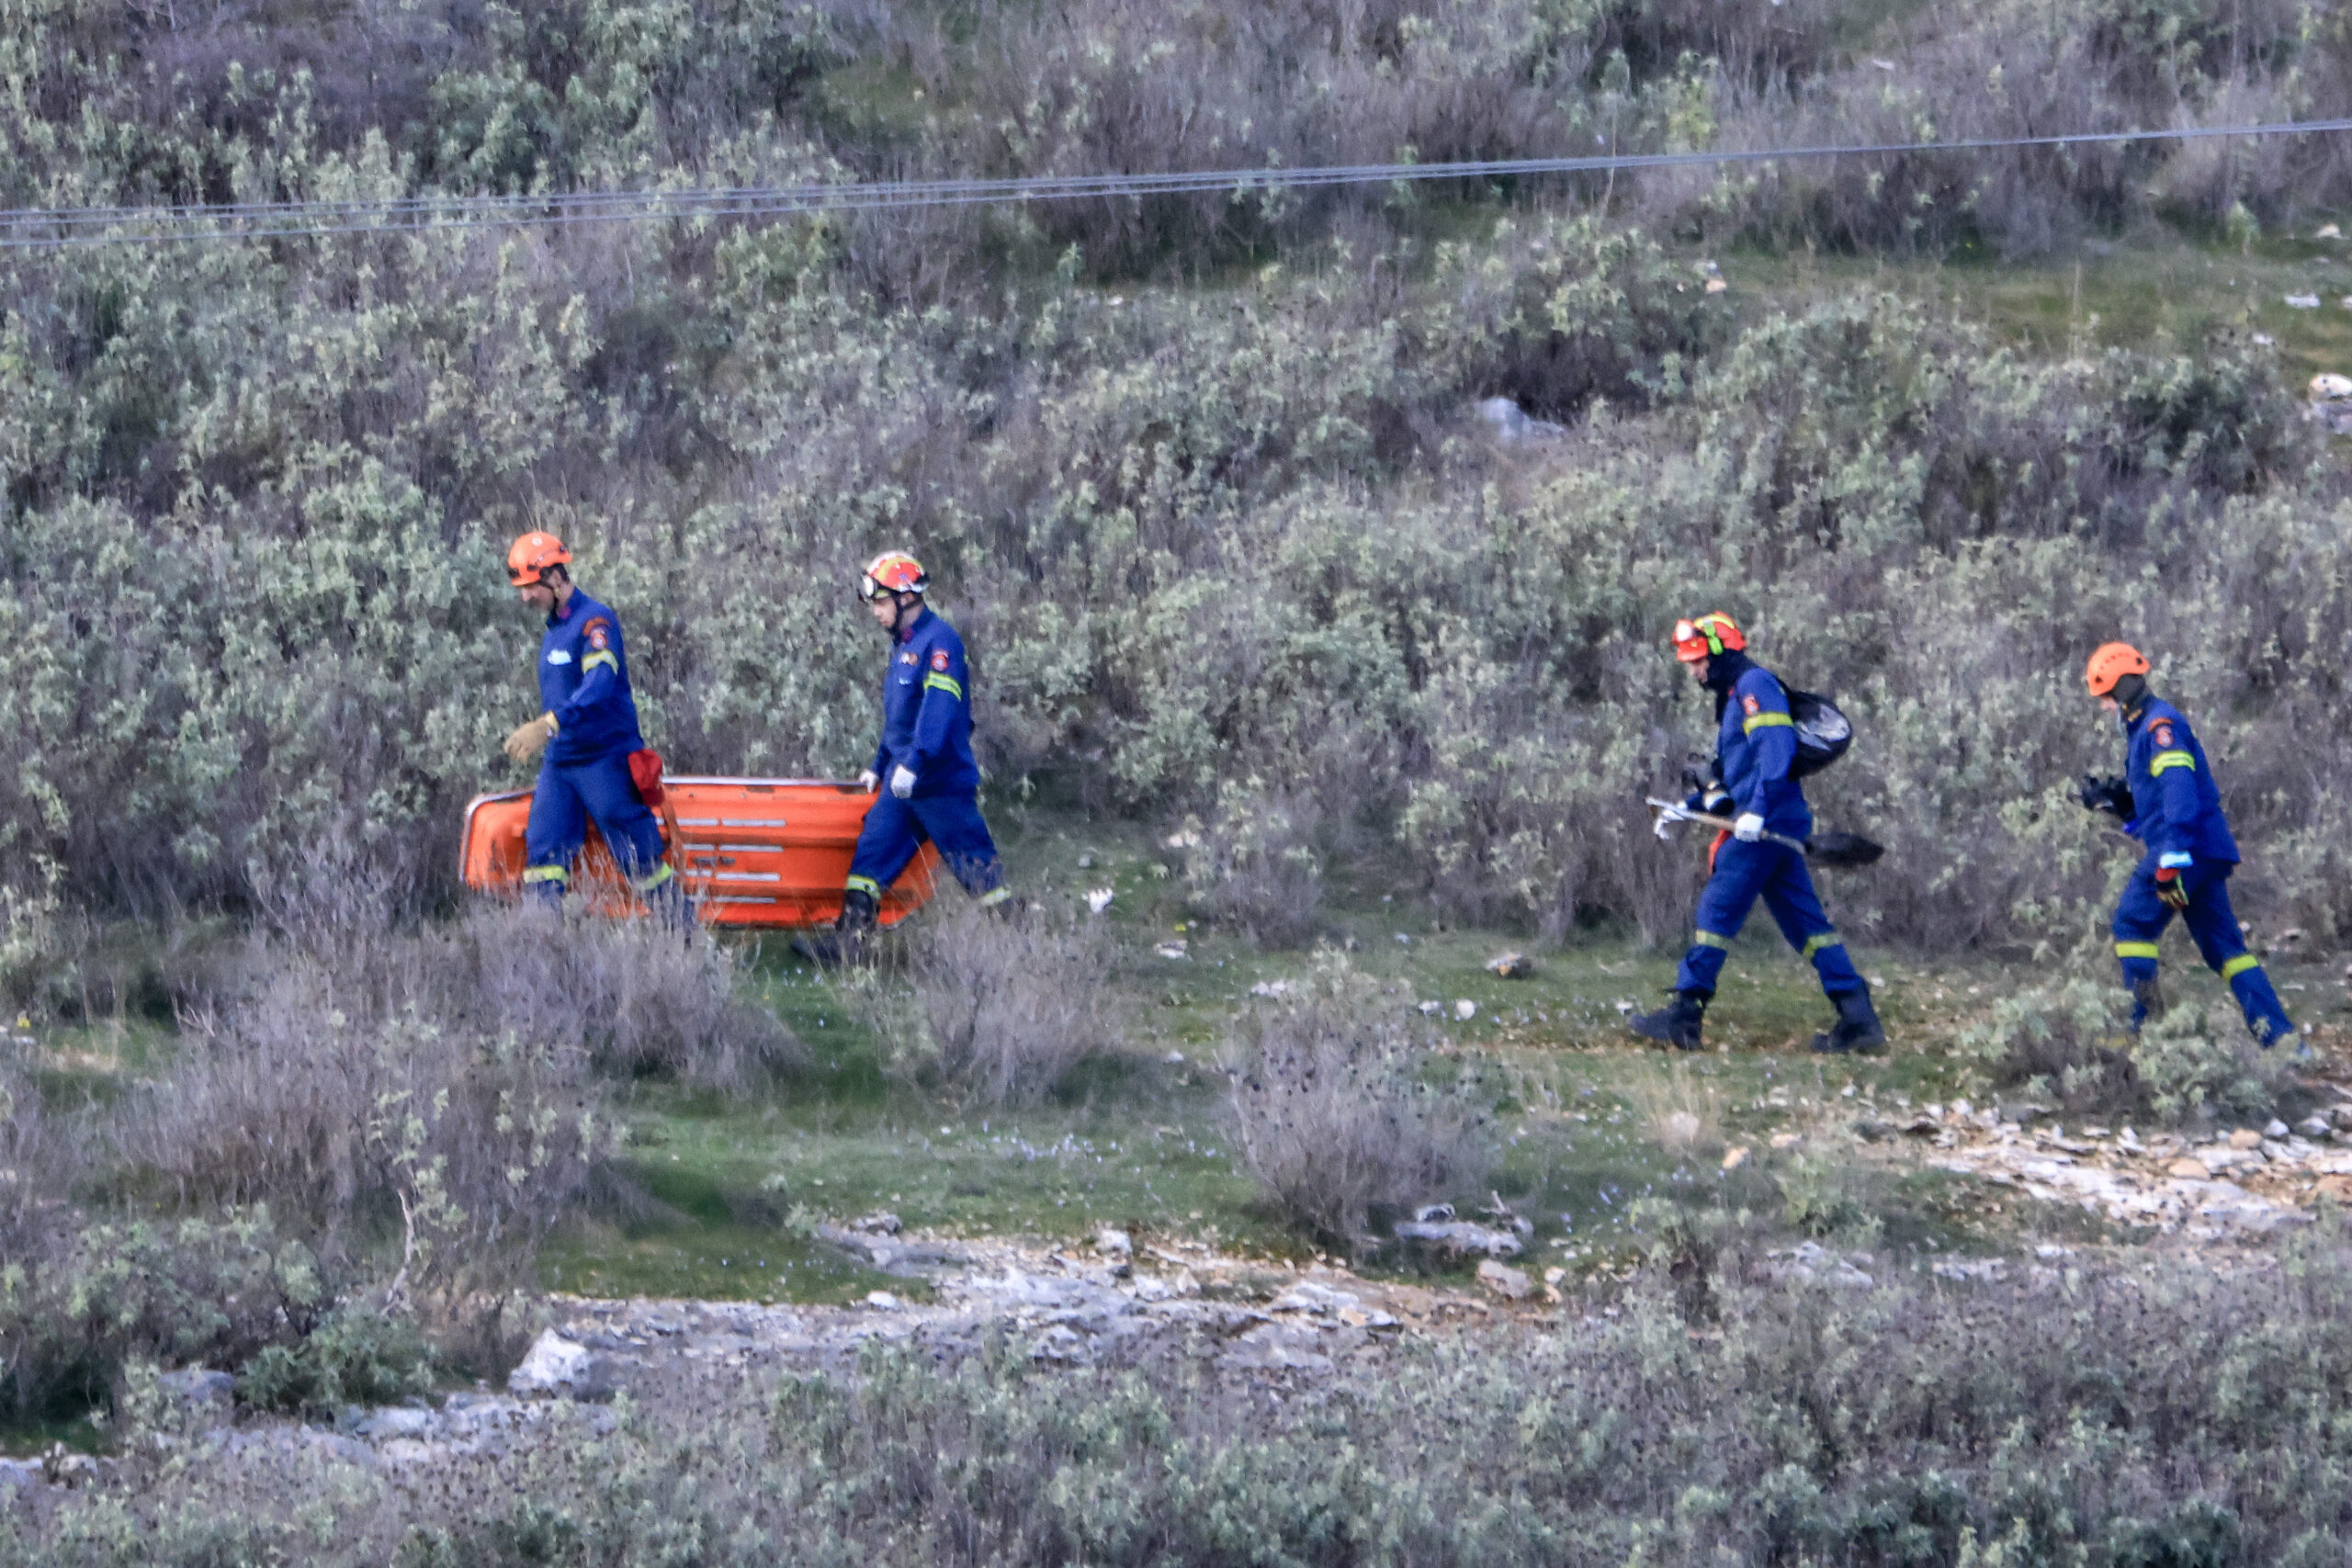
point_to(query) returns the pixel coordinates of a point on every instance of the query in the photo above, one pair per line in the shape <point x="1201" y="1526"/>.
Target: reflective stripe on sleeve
<point x="863" y="885"/>
<point x="936" y="682"/>
<point x="606" y="658"/>
<point x="2136" y="950"/>
<point x="546" y="873"/>
<point x="1765" y="721"/>
<point x="1827" y="939"/>
<point x="2239" y="966"/>
<point x="1709" y="939"/>
<point x="647" y="884"/>
<point x="2164" y="759"/>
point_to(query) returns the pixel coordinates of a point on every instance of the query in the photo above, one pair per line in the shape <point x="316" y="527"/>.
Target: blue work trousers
<point x="570" y="796"/>
<point x="1776" y="874"/>
<point x="2141" y="919"/>
<point x="894" y="829"/>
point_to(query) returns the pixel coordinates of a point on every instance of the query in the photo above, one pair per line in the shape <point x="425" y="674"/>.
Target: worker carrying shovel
<point x="926" y="781"/>
<point x="1762" y="855"/>
<point x="2168" y="799"/>
<point x="593" y="755"/>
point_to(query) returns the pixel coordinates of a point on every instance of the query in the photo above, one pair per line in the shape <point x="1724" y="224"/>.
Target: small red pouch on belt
<point x="645" y="772"/>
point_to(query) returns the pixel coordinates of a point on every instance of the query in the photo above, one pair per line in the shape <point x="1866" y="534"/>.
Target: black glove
<point x="2111" y="794"/>
<point x="1705" y="793"/>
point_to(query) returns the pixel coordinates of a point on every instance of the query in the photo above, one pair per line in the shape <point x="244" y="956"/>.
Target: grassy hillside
<point x="1336" y="695"/>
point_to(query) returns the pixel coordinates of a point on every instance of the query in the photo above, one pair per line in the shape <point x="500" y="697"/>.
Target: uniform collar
<point x="562" y="612"/>
<point x="907" y="630"/>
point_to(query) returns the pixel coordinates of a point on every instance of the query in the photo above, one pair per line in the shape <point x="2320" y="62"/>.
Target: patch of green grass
<point x="2155" y="291"/>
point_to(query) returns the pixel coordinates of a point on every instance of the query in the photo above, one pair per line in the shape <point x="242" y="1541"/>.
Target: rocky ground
<point x="2216" y="1187"/>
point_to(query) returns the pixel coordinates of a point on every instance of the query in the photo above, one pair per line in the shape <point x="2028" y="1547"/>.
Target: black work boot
<point x="845" y="944"/>
<point x="1677" y="1023"/>
<point x="1857" y="1029"/>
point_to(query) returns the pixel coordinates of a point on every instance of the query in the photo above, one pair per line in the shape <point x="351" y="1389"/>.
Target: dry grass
<point x="1679" y="1110"/>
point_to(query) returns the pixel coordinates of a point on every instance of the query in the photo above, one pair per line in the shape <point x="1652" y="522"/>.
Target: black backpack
<point x="1823" y="732"/>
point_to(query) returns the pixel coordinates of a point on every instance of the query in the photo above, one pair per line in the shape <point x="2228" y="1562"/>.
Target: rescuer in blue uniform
<point x="1755" y="747"/>
<point x="926" y="780"/>
<point x="588" y="733"/>
<point x="2168" y="800"/>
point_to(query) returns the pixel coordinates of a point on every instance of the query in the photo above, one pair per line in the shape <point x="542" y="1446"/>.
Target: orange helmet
<point x="530" y="556"/>
<point x="2113" y="661"/>
<point x="892" y="572"/>
<point x="1709" y="635"/>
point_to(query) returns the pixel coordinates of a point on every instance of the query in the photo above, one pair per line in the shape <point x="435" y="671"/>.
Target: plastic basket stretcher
<point x="752" y="853"/>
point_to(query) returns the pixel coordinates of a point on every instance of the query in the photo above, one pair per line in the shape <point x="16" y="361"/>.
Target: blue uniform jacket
<point x="583" y="680"/>
<point x="1755" y="745"/>
<point x="927" y="711"/>
<point x="2178" y="805"/>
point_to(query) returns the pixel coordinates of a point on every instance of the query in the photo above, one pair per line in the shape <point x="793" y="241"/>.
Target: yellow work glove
<point x="530" y="739"/>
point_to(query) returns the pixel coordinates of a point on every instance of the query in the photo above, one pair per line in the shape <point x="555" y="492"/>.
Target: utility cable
<point x="61" y="228"/>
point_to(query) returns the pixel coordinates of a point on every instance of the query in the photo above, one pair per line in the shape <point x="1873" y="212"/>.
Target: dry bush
<point x="1256" y="863"/>
<point x="458" y="1148"/>
<point x="995" y="1007"/>
<point x="636" y="998"/>
<point x="1335" y="1118"/>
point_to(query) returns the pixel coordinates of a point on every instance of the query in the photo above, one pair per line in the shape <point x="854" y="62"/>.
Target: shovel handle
<point x="1709" y="819"/>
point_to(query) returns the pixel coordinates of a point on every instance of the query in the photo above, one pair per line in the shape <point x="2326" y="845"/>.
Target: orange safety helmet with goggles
<point x="529" y="556"/>
<point x="892" y="572"/>
<point x="1707" y="636"/>
<point x="2110" y="663"/>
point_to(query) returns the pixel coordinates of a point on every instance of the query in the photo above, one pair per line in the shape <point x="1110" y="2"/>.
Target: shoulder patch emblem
<point x="599" y="634"/>
<point x="939" y="658"/>
<point x="1750" y="706"/>
<point x="2162" y="735"/>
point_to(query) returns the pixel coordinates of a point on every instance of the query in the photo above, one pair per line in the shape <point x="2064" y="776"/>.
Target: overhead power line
<point x="61" y="228"/>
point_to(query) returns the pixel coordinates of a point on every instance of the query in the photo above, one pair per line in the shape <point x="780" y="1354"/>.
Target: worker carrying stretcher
<point x="926" y="781"/>
<point x="2168" y="800"/>
<point x="594" y="754"/>
<point x="1762" y="855"/>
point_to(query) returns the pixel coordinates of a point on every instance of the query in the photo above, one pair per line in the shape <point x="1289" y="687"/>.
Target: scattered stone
<point x="2274" y="1129"/>
<point x="2246" y="1138"/>
<point x="2331" y="400"/>
<point x="1172" y="948"/>
<point x="1511" y="965"/>
<point x="1787" y="1140"/>
<point x="1734" y="1158"/>
<point x="1113" y="1243"/>
<point x="1433" y="1213"/>
<point x="880" y="1222"/>
<point x="1465" y="1010"/>
<point x="2302" y="301"/>
<point x="1272" y="989"/>
<point x="556" y="1367"/>
<point x="1505" y="1281"/>
<point x="2328" y="232"/>
<point x="1099" y="898"/>
<point x="1431" y="1008"/>
<point x="1460" y="1238"/>
<point x="1511" y="426"/>
<point x="2189" y="1169"/>
<point x="2315" y="1126"/>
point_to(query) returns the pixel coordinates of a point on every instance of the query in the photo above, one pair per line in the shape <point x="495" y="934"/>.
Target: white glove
<point x="1748" y="829"/>
<point x="902" y="781"/>
<point x="869" y="781"/>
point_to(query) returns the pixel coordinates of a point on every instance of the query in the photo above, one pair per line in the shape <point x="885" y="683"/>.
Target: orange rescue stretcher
<point x="752" y="853"/>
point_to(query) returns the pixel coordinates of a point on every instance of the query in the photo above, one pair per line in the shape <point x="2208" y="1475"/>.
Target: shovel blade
<point x="1842" y="849"/>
